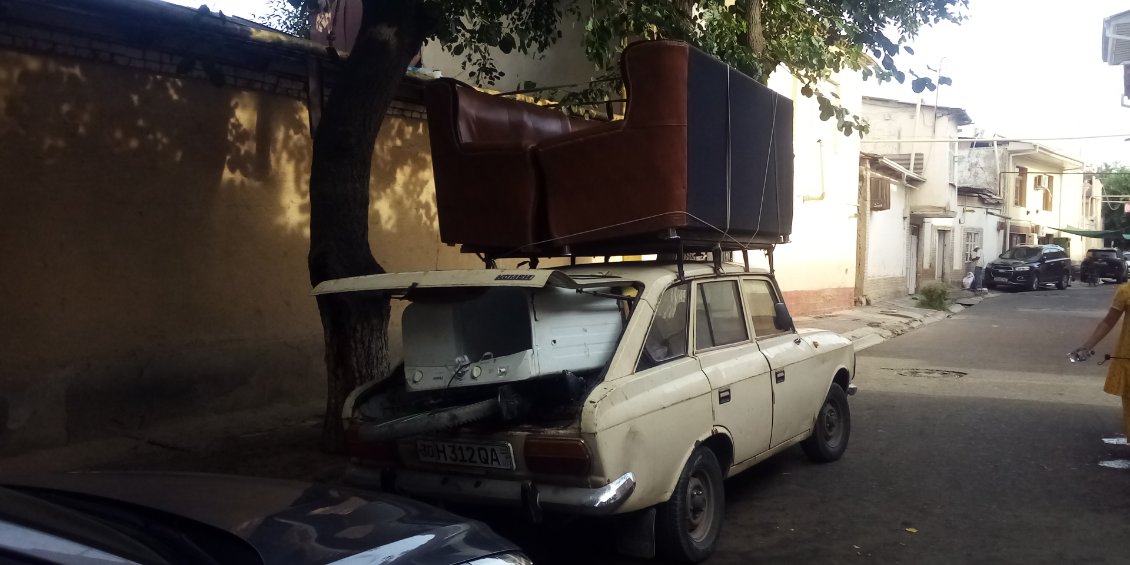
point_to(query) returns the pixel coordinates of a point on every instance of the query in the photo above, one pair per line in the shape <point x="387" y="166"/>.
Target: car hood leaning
<point x="296" y="522"/>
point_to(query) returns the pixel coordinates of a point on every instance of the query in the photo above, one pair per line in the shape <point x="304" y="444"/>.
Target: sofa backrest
<point x="478" y="117"/>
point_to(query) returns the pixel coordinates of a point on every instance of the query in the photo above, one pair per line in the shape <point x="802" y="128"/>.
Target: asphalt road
<point x="974" y="441"/>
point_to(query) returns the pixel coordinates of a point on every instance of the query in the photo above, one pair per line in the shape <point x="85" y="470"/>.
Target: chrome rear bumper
<point x="570" y="500"/>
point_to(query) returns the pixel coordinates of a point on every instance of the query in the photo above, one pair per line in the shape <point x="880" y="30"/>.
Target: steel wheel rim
<point x="831" y="425"/>
<point x="700" y="506"/>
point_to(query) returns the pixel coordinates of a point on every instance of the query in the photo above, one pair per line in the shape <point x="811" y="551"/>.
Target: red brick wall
<point x="810" y="302"/>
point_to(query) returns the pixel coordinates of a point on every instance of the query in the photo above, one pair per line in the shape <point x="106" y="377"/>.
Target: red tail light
<point x="382" y="454"/>
<point x="557" y="455"/>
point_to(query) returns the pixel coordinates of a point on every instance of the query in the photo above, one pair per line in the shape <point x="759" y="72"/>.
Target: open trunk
<point x="489" y="346"/>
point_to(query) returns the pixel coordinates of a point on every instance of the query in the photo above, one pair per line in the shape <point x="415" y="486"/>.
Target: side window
<point x="761" y="300"/>
<point x="667" y="338"/>
<point x="718" y="315"/>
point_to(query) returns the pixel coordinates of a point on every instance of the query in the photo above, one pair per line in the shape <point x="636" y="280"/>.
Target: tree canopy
<point x="812" y="38"/>
<point x="1116" y="182"/>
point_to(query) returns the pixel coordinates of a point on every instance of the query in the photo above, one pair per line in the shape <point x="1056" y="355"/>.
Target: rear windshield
<point x="1021" y="253"/>
<point x="1102" y="254"/>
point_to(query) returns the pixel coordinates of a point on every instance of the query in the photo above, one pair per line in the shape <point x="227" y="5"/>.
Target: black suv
<point x="1104" y="263"/>
<point x="1029" y="266"/>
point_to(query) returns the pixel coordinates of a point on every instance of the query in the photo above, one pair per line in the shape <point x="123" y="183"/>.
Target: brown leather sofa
<point x="703" y="150"/>
<point x="488" y="192"/>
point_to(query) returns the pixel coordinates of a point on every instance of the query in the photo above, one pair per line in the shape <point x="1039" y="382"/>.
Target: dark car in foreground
<point x="89" y="518"/>
<point x="1030" y="266"/>
<point x="1103" y="263"/>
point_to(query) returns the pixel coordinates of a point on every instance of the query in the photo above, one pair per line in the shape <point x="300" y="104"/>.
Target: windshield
<point x="1021" y="253"/>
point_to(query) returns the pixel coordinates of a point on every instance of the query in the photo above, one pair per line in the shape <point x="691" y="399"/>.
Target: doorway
<point x="943" y="260"/>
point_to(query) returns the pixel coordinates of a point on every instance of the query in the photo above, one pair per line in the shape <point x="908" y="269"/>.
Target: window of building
<point x="1020" y="190"/>
<point x="718" y="315"/>
<point x="1049" y="192"/>
<point x="971" y="238"/>
<point x="667" y="338"/>
<point x="761" y="301"/>
<point x="880" y="194"/>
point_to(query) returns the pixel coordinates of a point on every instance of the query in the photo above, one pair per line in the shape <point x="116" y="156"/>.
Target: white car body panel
<point x="647" y="423"/>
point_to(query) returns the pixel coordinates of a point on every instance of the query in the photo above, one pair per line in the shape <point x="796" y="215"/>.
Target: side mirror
<point x="1043" y="259"/>
<point x="782" y="320"/>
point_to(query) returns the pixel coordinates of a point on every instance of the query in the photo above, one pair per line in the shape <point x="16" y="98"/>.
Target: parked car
<point x="96" y="518"/>
<point x="1029" y="267"/>
<point x="617" y="388"/>
<point x="1103" y="263"/>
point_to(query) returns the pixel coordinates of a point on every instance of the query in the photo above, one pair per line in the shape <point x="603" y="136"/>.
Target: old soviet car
<point x="613" y="388"/>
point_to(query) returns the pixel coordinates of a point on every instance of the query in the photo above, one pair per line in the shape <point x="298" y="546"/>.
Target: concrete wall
<point x="817" y="269"/>
<point x="980" y="167"/>
<point x="562" y="64"/>
<point x="897" y="120"/>
<point x="154" y="245"/>
<point x="887" y="234"/>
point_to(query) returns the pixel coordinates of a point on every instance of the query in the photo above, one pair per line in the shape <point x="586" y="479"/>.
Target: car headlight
<point x="512" y="558"/>
<point x="1022" y="268"/>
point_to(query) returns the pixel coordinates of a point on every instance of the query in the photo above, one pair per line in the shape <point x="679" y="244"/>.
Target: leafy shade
<point x="812" y="38"/>
<point x="286" y="17"/>
<point x="1116" y="182"/>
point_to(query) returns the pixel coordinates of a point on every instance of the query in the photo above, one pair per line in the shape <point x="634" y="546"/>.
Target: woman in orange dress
<point x="1118" y="373"/>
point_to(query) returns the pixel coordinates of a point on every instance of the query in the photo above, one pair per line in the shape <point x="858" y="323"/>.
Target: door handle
<point x="779" y="375"/>
<point x="796" y="340"/>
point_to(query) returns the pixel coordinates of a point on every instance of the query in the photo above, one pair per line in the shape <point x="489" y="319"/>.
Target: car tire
<point x="688" y="525"/>
<point x="832" y="429"/>
<point x="1064" y="282"/>
<point x="1035" y="284"/>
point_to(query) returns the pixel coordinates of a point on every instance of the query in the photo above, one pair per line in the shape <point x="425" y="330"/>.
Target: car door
<point x="737" y="370"/>
<point x="799" y="384"/>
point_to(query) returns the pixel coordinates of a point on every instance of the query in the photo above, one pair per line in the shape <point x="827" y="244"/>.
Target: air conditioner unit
<point x="1040" y="181"/>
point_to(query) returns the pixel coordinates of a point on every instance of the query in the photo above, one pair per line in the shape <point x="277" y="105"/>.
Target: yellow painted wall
<point x="153" y="247"/>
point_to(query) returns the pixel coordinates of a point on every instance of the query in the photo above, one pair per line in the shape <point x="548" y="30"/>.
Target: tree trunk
<point x="755" y="32"/>
<point x="355" y="327"/>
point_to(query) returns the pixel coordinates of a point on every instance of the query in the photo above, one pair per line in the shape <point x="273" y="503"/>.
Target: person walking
<point x="1118" y="372"/>
<point x="978" y="263"/>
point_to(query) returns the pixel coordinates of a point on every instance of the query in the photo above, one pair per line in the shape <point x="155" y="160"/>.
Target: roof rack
<point x="675" y="242"/>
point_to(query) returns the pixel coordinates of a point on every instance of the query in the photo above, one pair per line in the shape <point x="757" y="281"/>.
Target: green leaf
<point x="506" y="44"/>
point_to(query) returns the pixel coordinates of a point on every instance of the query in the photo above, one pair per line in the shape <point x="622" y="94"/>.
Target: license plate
<point x="1000" y="279"/>
<point x="489" y="455"/>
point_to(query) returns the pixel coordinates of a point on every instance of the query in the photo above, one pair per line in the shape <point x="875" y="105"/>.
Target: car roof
<point x="587" y="275"/>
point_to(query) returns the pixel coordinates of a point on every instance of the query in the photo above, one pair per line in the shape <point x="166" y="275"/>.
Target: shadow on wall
<point x="154" y="248"/>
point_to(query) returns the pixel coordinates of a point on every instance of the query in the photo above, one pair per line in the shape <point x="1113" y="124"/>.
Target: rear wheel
<point x="830" y="435"/>
<point x="687" y="525"/>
